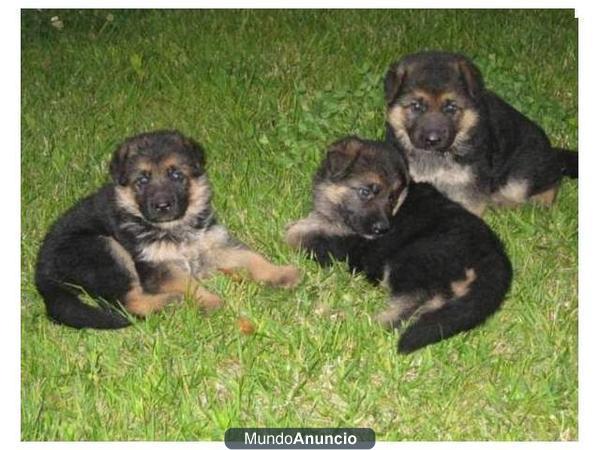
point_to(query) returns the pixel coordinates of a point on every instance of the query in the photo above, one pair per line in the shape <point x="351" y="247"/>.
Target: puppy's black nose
<point x="380" y="228"/>
<point x="433" y="138"/>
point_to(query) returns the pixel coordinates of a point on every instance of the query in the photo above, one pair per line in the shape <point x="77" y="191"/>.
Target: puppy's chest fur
<point x="439" y="170"/>
<point x="191" y="249"/>
<point x="457" y="181"/>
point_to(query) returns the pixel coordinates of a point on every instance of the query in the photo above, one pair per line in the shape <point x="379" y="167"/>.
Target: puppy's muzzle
<point x="380" y="227"/>
<point x="163" y="207"/>
<point x="433" y="133"/>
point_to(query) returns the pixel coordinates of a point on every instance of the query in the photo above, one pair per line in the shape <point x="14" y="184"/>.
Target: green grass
<point x="265" y="92"/>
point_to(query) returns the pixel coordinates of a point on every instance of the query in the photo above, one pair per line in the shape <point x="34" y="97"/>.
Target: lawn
<point x="265" y="92"/>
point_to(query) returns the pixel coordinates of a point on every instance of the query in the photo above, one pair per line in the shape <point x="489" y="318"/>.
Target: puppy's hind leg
<point x="547" y="197"/>
<point x="260" y="269"/>
<point x="179" y="282"/>
<point x="142" y="304"/>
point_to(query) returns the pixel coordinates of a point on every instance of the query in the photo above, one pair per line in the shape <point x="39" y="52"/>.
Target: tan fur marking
<point x="200" y="191"/>
<point x="259" y="268"/>
<point x="144" y="166"/>
<point x="396" y="118"/>
<point x="446" y="96"/>
<point x="142" y="304"/>
<point x="468" y="120"/>
<point x="235" y="276"/>
<point x="425" y="95"/>
<point x="397" y="308"/>
<point x="312" y="224"/>
<point x="207" y="299"/>
<point x="512" y="193"/>
<point x="433" y="304"/>
<point x="368" y="178"/>
<point x="175" y="161"/>
<point x="122" y="256"/>
<point x="547" y="197"/>
<point x="351" y="146"/>
<point x="385" y="280"/>
<point x="169" y="161"/>
<point x="180" y="282"/>
<point x="202" y="246"/>
<point x="391" y="314"/>
<point x="400" y="200"/>
<point x="454" y="175"/>
<point x="476" y="208"/>
<point x="126" y="200"/>
<point x="400" y="306"/>
<point x="435" y="99"/>
<point x="296" y="231"/>
<point x="334" y="192"/>
<point x="460" y="288"/>
<point x="371" y="178"/>
<point x="161" y="251"/>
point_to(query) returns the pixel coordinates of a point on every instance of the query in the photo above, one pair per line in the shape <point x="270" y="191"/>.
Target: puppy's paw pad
<point x="286" y="277"/>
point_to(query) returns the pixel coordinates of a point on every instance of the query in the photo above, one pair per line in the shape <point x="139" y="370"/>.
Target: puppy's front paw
<point x="286" y="277"/>
<point x="399" y="309"/>
<point x="388" y="317"/>
<point x="293" y="236"/>
<point x="396" y="312"/>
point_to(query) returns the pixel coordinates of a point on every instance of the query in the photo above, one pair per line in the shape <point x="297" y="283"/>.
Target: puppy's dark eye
<point x="416" y="106"/>
<point x="175" y="175"/>
<point x="375" y="189"/>
<point x="364" y="192"/>
<point x="142" y="180"/>
<point x="450" y="108"/>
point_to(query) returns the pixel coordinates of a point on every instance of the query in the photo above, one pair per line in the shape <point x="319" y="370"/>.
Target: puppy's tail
<point x="483" y="297"/>
<point x="65" y="307"/>
<point x="569" y="160"/>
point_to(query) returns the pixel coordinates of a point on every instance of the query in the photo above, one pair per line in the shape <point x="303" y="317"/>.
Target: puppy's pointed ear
<point x="341" y="156"/>
<point x="394" y="78"/>
<point x="471" y="77"/>
<point x="118" y="163"/>
<point x="196" y="155"/>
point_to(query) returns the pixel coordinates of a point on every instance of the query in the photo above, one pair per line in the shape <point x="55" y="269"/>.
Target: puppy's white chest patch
<point x="456" y="181"/>
<point x="439" y="171"/>
<point x="193" y="253"/>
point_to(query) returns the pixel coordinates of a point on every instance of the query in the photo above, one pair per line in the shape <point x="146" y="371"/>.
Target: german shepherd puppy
<point x="143" y="240"/>
<point x="446" y="270"/>
<point x="465" y="140"/>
